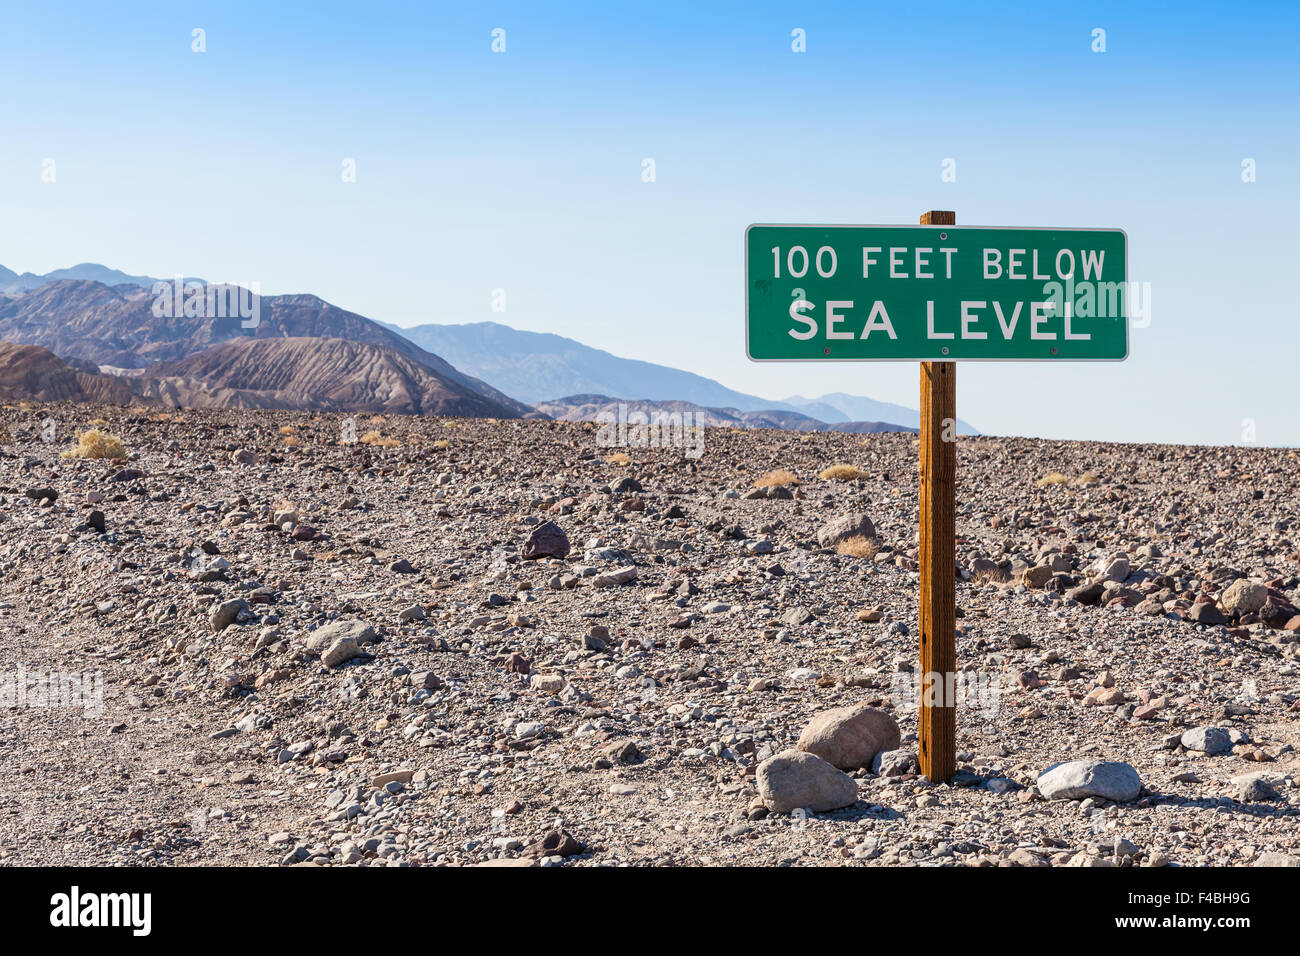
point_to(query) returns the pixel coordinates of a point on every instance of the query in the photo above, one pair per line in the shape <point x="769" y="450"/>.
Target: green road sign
<point x="935" y="293"/>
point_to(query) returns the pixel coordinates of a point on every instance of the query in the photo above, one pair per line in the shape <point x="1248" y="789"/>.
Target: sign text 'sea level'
<point x="935" y="293"/>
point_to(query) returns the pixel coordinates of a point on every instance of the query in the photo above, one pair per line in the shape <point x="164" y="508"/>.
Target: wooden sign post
<point x="938" y="709"/>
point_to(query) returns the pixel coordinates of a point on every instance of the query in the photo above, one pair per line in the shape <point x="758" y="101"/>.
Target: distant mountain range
<point x="11" y="281"/>
<point x="312" y="374"/>
<point x="537" y="367"/>
<point x="303" y="352"/>
<point x="116" y="327"/>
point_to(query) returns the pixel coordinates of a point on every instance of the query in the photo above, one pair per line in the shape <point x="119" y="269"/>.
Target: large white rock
<point x="844" y="527"/>
<point x="793" y="779"/>
<point x="850" y="737"/>
<point x="1107" y="780"/>
<point x="615" y="578"/>
<point x="358" y="631"/>
<point x="1207" y="740"/>
<point x="340" y="652"/>
<point x="1243" y="597"/>
<point x="1114" y="567"/>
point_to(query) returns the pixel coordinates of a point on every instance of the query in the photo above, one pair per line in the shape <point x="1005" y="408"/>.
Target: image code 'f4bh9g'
<point x="935" y="293"/>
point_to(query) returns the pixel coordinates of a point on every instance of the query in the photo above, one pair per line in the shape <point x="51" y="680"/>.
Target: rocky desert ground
<point x="463" y="642"/>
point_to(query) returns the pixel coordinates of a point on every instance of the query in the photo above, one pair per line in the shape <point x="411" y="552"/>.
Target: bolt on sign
<point x="935" y="293"/>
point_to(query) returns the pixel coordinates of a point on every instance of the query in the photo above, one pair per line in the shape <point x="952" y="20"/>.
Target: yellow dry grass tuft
<point x="96" y="444"/>
<point x="286" y="429"/>
<point x="858" y="547"/>
<point x="619" y="458"/>
<point x="374" y="438"/>
<point x="842" y="473"/>
<point x="442" y="443"/>
<point x="778" y="477"/>
<point x="1055" y="478"/>
<point x="292" y="441"/>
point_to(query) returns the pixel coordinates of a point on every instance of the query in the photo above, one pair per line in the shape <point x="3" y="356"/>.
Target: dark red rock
<point x="546" y="541"/>
<point x="1276" y="615"/>
<point x="1207" y="612"/>
<point x="1087" y="594"/>
<point x="555" y="843"/>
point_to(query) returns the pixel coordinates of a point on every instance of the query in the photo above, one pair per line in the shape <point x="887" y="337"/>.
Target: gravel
<point x="271" y="696"/>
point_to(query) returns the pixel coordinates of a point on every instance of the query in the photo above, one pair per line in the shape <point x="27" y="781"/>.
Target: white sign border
<point x="1128" y="327"/>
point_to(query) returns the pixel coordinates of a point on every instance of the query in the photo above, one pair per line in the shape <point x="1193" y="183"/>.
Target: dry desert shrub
<point x="858" y="546"/>
<point x="778" y="477"/>
<point x="96" y="444"/>
<point x="374" y="438"/>
<point x="1057" y="478"/>
<point x="619" y="458"/>
<point x="290" y="441"/>
<point x="842" y="473"/>
<point x="286" y="429"/>
<point x="442" y="443"/>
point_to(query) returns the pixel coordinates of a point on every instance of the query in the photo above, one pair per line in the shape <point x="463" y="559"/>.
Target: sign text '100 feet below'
<point x="935" y="293"/>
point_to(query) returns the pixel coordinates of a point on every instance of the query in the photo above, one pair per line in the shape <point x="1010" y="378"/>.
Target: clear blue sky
<point x="522" y="171"/>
